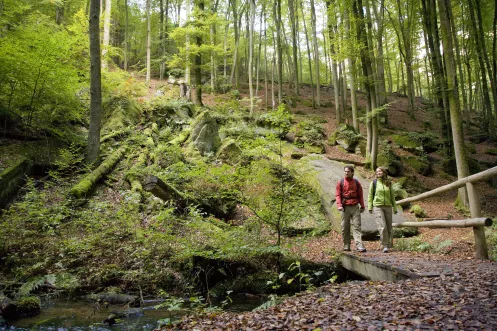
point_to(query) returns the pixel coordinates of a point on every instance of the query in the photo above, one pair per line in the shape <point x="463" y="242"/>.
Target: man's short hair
<point x="351" y="168"/>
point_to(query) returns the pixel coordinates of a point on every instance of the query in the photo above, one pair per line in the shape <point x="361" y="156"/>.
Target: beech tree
<point x="93" y="152"/>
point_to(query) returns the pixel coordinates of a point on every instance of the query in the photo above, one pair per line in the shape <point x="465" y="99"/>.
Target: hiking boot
<point x="385" y="250"/>
<point x="346" y="249"/>
<point x="361" y="249"/>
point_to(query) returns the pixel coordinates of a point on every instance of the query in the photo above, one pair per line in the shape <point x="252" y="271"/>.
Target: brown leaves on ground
<point x="464" y="301"/>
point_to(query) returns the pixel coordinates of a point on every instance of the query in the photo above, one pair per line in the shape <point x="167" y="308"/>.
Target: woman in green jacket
<point x="381" y="201"/>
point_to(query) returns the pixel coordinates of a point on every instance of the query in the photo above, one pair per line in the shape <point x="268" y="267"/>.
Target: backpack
<point x="374" y="188"/>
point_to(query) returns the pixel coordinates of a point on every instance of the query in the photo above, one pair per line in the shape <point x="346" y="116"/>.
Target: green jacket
<point x="384" y="196"/>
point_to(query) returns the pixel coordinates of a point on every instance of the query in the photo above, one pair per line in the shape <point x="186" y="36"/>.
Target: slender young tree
<point x="149" y="37"/>
<point x="105" y="50"/>
<point x="293" y="25"/>
<point x="251" y="54"/>
<point x="93" y="151"/>
<point x="316" y="53"/>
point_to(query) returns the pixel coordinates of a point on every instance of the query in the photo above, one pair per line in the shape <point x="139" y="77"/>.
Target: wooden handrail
<point x="489" y="173"/>
<point x="470" y="222"/>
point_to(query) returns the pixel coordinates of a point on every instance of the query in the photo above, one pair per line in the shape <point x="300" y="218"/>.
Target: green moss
<point x="84" y="186"/>
<point x="407" y="143"/>
<point x="421" y="166"/>
<point x="418" y="211"/>
<point x="28" y="305"/>
<point x="332" y="139"/>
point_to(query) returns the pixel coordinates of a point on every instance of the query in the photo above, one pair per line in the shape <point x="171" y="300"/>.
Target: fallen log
<point x="181" y="138"/>
<point x="471" y="222"/>
<point x="83" y="188"/>
<point x="164" y="191"/>
<point x="492" y="172"/>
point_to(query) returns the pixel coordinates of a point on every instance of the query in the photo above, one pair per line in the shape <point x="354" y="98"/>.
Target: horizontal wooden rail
<point x="470" y="222"/>
<point x="489" y="173"/>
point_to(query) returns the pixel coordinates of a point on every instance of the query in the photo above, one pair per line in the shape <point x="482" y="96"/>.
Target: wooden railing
<point x="478" y="230"/>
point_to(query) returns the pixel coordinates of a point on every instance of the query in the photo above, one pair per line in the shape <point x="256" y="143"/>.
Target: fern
<point x="33" y="284"/>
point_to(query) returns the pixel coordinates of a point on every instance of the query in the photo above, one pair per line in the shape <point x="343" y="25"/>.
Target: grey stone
<point x="205" y="134"/>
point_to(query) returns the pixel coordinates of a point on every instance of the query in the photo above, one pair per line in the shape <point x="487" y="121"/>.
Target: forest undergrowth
<point x="223" y="229"/>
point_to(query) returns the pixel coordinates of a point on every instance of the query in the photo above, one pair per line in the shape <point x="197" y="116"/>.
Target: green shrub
<point x="418" y="211"/>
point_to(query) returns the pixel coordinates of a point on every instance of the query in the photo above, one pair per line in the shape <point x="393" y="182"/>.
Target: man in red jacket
<point x="349" y="197"/>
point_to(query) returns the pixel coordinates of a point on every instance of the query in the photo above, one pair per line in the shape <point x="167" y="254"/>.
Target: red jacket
<point x="352" y="193"/>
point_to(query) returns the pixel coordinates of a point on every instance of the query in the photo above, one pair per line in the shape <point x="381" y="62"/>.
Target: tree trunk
<point x="93" y="151"/>
<point x="106" y="41"/>
<point x="352" y="73"/>
<point x="316" y="54"/>
<point x="455" y="115"/>
<point x="334" y="69"/>
<point x="291" y="9"/>
<point x="149" y="24"/>
<point x="279" y="49"/>
<point x="251" y="55"/>
<point x="308" y="54"/>
<point x="198" y="56"/>
<point x="126" y="31"/>
<point x="372" y="144"/>
<point x="162" y="48"/>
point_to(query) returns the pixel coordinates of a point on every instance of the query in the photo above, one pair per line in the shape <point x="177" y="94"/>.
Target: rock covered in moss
<point x="205" y="134"/>
<point x="420" y="165"/>
<point x="390" y="161"/>
<point x="27" y="306"/>
<point x="12" y="178"/>
<point x="229" y="151"/>
<point x="346" y="137"/>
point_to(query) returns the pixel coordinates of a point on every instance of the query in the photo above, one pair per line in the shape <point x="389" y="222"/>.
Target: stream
<point x="61" y="315"/>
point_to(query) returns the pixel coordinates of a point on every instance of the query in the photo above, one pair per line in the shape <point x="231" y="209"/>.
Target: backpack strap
<point x="374" y="188"/>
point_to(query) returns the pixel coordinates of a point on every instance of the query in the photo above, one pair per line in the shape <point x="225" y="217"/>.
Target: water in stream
<point x="61" y="315"/>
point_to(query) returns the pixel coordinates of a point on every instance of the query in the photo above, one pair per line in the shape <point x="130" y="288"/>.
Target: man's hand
<point x="362" y="210"/>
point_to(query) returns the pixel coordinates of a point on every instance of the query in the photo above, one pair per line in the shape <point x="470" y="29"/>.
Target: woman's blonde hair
<point x="385" y="180"/>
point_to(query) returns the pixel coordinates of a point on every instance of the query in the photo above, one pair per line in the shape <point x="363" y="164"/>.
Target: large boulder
<point x="323" y="174"/>
<point x="205" y="134"/>
<point x="421" y="165"/>
<point x="346" y="137"/>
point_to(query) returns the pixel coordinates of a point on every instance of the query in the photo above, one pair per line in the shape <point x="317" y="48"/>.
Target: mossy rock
<point x="28" y="306"/>
<point x="407" y="143"/>
<point x="332" y="138"/>
<point x="405" y="232"/>
<point x="422" y="167"/>
<point x="12" y="178"/>
<point x="313" y="149"/>
<point x="393" y="166"/>
<point x="361" y="147"/>
<point x="347" y="138"/>
<point x="205" y="134"/>
<point x="229" y="151"/>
